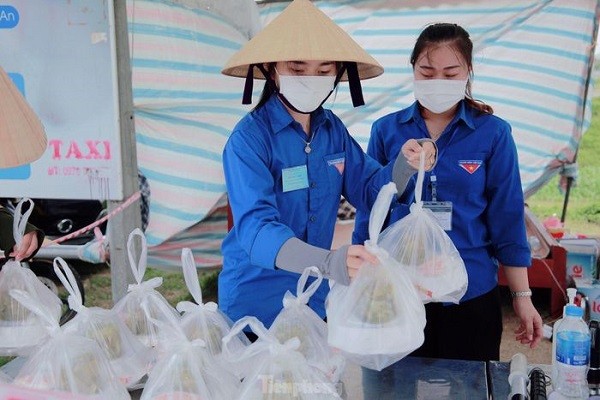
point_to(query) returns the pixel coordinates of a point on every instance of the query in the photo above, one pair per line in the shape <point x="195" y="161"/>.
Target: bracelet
<point x="524" y="293"/>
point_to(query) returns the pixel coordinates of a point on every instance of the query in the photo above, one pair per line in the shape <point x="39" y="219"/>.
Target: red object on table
<point x="548" y="265"/>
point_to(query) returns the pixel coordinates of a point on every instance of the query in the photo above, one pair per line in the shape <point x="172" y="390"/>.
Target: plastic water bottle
<point x="571" y="293"/>
<point x="573" y="342"/>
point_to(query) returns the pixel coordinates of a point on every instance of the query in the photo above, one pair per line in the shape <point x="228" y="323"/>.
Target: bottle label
<point x="573" y="348"/>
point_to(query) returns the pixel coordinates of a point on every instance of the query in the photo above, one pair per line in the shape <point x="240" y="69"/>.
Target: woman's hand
<point x="28" y="246"/>
<point x="357" y="256"/>
<point x="530" y="330"/>
<point x="412" y="152"/>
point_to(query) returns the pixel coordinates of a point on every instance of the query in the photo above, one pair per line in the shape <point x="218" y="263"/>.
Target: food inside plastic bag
<point x="379" y="318"/>
<point x="204" y="320"/>
<point x="129" y="307"/>
<point x="297" y="319"/>
<point x="67" y="362"/>
<point x="426" y="252"/>
<point x="128" y="357"/>
<point x="280" y="370"/>
<point x="21" y="330"/>
<point x="187" y="369"/>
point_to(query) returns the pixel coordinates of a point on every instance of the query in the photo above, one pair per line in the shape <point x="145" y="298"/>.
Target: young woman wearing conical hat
<point x="289" y="160"/>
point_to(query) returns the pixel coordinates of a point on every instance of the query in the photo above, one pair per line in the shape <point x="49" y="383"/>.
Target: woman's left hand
<point x="530" y="330"/>
<point x="28" y="246"/>
<point x="412" y="152"/>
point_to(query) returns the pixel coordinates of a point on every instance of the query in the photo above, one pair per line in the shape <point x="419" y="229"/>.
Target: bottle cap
<point x="574" y="311"/>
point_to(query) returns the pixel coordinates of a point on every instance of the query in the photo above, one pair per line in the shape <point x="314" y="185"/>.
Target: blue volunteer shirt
<point x="477" y="170"/>
<point x="266" y="148"/>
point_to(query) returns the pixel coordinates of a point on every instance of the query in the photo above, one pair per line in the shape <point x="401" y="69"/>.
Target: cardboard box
<point x="591" y="291"/>
<point x="582" y="258"/>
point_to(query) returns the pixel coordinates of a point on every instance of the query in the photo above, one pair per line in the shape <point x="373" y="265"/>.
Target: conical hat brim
<point x="22" y="136"/>
<point x="301" y="33"/>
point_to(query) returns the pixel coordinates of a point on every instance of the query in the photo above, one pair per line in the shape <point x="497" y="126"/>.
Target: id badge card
<point x="442" y="210"/>
<point x="294" y="178"/>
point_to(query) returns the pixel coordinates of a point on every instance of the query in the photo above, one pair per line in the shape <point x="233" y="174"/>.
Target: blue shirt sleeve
<point x="251" y="195"/>
<point x="505" y="214"/>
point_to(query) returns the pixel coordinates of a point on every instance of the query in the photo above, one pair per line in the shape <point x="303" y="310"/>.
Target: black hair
<point x="460" y="40"/>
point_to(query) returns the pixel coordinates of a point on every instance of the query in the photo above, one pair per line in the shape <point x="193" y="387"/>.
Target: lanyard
<point x="441" y="151"/>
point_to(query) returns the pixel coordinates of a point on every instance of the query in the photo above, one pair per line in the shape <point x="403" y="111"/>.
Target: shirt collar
<point x="280" y="118"/>
<point x="413" y="113"/>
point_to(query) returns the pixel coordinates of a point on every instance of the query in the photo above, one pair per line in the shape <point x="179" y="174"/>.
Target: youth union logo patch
<point x="470" y="165"/>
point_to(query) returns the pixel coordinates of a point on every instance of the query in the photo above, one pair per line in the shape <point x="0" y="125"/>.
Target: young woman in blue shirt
<point x="289" y="160"/>
<point x="476" y="180"/>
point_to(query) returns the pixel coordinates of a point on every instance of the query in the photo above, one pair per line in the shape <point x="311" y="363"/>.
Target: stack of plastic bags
<point x="66" y="362"/>
<point x="297" y="319"/>
<point x="129" y="308"/>
<point x="129" y="359"/>
<point x="204" y="320"/>
<point x="280" y="370"/>
<point x="20" y="329"/>
<point x="186" y="369"/>
<point x="379" y="318"/>
<point x="426" y="252"/>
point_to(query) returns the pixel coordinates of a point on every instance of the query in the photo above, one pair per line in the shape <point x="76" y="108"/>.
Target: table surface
<point x="414" y="378"/>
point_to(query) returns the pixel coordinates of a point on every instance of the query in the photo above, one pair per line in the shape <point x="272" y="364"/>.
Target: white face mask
<point x="306" y="92"/>
<point x="439" y="95"/>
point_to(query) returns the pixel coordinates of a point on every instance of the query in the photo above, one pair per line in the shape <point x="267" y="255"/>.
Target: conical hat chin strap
<point x="353" y="82"/>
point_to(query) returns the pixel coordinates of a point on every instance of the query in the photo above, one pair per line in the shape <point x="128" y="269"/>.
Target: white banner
<point x="61" y="55"/>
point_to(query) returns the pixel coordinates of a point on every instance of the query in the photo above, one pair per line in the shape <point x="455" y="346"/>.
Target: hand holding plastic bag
<point x="20" y="330"/>
<point x="426" y="252"/>
<point x="379" y="318"/>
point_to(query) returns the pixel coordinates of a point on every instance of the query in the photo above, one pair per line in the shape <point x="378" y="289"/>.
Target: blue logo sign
<point x="9" y="17"/>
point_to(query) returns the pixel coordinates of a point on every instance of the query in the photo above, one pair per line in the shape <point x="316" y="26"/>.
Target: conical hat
<point x="22" y="136"/>
<point x="300" y="33"/>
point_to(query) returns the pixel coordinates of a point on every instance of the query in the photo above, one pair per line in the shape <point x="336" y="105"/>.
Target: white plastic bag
<point x="20" y="330"/>
<point x="66" y="362"/>
<point x="129" y="308"/>
<point x="187" y="370"/>
<point x="204" y="320"/>
<point x="379" y="318"/>
<point x="280" y="371"/>
<point x="128" y="357"/>
<point x="297" y="319"/>
<point x="426" y="252"/>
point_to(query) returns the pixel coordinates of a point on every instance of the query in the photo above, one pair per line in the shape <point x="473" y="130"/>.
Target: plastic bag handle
<point x="20" y="220"/>
<point x="138" y="269"/>
<point x="420" y="179"/>
<point x="267" y="340"/>
<point x="304" y="295"/>
<point x="70" y="283"/>
<point x="380" y="210"/>
<point x="190" y="274"/>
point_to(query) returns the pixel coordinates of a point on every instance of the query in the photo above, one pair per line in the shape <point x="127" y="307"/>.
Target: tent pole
<point x="123" y="222"/>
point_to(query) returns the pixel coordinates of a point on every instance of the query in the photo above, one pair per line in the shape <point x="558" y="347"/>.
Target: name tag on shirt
<point x="294" y="178"/>
<point x="442" y="211"/>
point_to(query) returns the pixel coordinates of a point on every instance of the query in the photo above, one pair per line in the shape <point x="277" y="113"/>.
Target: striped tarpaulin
<point x="184" y="111"/>
<point x="532" y="65"/>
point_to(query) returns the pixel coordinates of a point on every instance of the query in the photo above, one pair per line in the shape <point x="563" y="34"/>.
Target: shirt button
<point x="313" y="218"/>
<point x="313" y="185"/>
